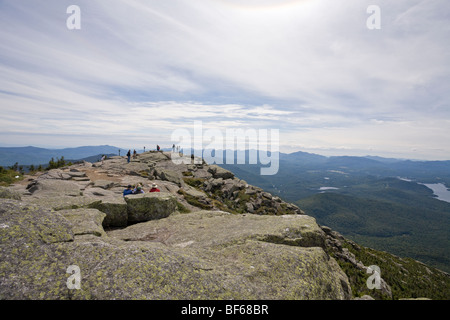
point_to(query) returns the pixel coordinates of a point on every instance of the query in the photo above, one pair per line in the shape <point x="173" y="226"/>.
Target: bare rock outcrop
<point x="200" y="255"/>
<point x="206" y="235"/>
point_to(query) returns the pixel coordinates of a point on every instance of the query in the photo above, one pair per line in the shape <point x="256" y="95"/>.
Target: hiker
<point x="138" y="190"/>
<point x="129" y="155"/>
<point x="103" y="158"/>
<point x="154" y="188"/>
<point x="157" y="148"/>
<point x="134" y="154"/>
<point x="128" y="190"/>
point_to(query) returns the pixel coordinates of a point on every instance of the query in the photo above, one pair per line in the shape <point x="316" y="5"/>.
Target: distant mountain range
<point x="372" y="165"/>
<point x="26" y="156"/>
<point x="33" y="155"/>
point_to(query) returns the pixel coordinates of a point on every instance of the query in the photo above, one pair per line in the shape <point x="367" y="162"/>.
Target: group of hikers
<point x="136" y="189"/>
<point x="139" y="189"/>
<point x="158" y="148"/>
<point x="129" y="155"/>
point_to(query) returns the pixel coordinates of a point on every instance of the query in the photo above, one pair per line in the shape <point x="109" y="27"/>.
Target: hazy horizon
<point x="328" y="153"/>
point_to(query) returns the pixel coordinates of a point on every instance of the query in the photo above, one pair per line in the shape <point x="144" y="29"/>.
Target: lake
<point x="440" y="190"/>
<point x="324" y="189"/>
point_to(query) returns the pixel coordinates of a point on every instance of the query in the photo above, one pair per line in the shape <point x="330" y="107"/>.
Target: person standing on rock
<point x="129" y="155"/>
<point x="134" y="154"/>
<point x="154" y="188"/>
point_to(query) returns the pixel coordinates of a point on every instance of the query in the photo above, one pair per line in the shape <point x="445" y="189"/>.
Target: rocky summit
<point x="69" y="233"/>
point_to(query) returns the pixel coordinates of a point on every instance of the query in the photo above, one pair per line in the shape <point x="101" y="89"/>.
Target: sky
<point x="136" y="71"/>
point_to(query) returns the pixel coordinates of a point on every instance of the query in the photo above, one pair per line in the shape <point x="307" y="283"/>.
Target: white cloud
<point x="310" y="68"/>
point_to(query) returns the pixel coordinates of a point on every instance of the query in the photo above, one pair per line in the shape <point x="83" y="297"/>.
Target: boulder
<point x="87" y="164"/>
<point x="115" y="210"/>
<point x="111" y="204"/>
<point x="98" y="192"/>
<point x="85" y="221"/>
<point x="61" y="202"/>
<point x="104" y="184"/>
<point x="206" y="255"/>
<point x="249" y="207"/>
<point x="202" y="174"/>
<point x="136" y="168"/>
<point x="219" y="172"/>
<point x="213" y="184"/>
<point x="57" y="174"/>
<point x="170" y="187"/>
<point x="281" y="254"/>
<point x="150" y="206"/>
<point x="152" y="156"/>
<point x="76" y="174"/>
<point x="267" y="195"/>
<point x="229" y="187"/>
<point x="194" y="192"/>
<point x="81" y="179"/>
<point x="54" y="187"/>
<point x="169" y="175"/>
<point x="213" y="228"/>
<point x="7" y="193"/>
<point x="24" y="223"/>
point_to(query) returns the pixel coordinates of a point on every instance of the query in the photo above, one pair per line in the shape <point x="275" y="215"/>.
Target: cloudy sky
<point x="139" y="69"/>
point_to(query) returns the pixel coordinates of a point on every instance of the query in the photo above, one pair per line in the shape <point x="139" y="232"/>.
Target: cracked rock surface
<point x="144" y="247"/>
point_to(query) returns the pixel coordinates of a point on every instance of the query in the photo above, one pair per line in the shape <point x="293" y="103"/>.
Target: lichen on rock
<point x="149" y="206"/>
<point x="140" y="247"/>
<point x="202" y="255"/>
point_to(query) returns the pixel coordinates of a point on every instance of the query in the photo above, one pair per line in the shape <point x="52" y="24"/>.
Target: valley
<point x="364" y="199"/>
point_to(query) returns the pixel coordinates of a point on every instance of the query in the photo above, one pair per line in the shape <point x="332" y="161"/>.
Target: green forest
<point x="367" y="201"/>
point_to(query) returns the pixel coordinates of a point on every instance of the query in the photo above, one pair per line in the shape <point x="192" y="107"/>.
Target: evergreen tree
<point x="51" y="164"/>
<point x="15" y="167"/>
